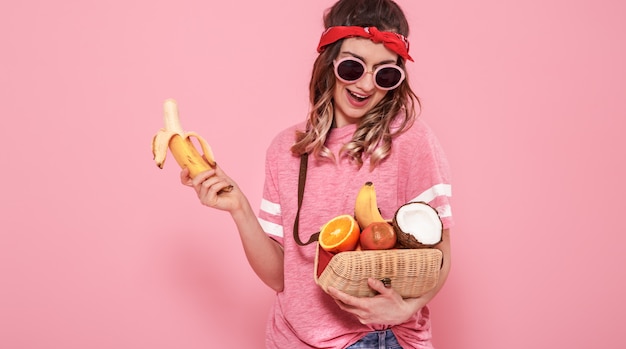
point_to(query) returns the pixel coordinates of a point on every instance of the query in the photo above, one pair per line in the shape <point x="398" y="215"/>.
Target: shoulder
<point x="418" y="147"/>
<point x="418" y="135"/>
<point x="282" y="142"/>
<point x="287" y="136"/>
<point x="284" y="139"/>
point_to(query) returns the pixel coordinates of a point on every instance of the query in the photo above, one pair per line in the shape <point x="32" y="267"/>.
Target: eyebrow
<point x="363" y="59"/>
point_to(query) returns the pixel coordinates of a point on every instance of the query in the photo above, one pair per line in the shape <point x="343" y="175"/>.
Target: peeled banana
<point x="366" y="208"/>
<point x="180" y="144"/>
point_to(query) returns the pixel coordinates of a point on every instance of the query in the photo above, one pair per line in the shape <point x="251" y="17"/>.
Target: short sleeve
<point x="429" y="175"/>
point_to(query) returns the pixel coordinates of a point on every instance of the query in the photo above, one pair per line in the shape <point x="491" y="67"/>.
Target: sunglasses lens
<point x="388" y="77"/>
<point x="350" y="70"/>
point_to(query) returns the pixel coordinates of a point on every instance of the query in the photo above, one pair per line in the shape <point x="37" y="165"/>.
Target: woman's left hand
<point x="386" y="308"/>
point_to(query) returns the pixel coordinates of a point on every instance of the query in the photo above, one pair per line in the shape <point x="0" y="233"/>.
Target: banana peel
<point x="180" y="144"/>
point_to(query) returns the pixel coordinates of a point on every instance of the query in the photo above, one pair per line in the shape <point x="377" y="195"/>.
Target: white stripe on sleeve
<point x="270" y="207"/>
<point x="434" y="191"/>
<point x="272" y="228"/>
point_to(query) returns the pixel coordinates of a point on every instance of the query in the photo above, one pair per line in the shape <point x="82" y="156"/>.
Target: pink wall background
<point x="100" y="249"/>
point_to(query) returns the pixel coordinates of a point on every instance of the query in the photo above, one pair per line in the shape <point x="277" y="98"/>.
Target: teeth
<point x="361" y="97"/>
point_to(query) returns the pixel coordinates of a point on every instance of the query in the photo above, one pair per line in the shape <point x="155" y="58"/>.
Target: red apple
<point x="378" y="236"/>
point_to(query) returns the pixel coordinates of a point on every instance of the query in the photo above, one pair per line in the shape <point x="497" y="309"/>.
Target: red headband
<point x="393" y="41"/>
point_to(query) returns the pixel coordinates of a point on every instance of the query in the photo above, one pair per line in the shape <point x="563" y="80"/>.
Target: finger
<point x="221" y="187"/>
<point x="343" y="306"/>
<point x="343" y="297"/>
<point x="185" y="178"/>
<point x="206" y="187"/>
<point x="220" y="172"/>
<point x="202" y="177"/>
<point x="230" y="186"/>
<point x="226" y="188"/>
<point x="211" y="189"/>
<point x="218" y="169"/>
<point x="379" y="286"/>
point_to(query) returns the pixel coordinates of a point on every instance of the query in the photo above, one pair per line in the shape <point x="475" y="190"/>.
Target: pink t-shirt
<point x="303" y="316"/>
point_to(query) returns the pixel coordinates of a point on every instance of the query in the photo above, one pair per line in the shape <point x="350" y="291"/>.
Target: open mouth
<point x="357" y="97"/>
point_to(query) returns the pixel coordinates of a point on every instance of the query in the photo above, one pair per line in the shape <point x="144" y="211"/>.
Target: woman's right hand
<point x="210" y="187"/>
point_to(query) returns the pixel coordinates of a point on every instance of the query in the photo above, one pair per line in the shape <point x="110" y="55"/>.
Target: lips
<point x="357" y="100"/>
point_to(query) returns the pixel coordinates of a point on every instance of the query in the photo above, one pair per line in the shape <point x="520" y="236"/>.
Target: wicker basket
<point x="411" y="272"/>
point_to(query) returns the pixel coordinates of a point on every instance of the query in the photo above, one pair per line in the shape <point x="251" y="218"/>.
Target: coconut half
<point x="417" y="225"/>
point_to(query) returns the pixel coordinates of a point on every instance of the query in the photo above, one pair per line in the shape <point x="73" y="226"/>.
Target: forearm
<point x="264" y="255"/>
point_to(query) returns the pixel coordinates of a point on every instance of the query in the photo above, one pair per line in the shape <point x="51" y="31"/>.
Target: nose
<point x="366" y="83"/>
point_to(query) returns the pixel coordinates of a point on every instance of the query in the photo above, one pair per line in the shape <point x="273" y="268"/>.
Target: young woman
<point x="363" y="126"/>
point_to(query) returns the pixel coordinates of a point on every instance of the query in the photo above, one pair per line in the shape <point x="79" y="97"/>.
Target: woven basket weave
<point x="411" y="272"/>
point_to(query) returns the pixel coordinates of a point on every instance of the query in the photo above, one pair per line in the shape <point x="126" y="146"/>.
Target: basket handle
<point x="304" y="159"/>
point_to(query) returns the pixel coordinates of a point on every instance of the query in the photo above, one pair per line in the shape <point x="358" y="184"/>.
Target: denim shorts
<point x="377" y="340"/>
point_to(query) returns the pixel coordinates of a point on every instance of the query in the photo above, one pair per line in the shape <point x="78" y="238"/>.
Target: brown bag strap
<point x="304" y="159"/>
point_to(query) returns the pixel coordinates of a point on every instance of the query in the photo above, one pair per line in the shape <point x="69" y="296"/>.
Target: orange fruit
<point x="340" y="234"/>
<point x="378" y="236"/>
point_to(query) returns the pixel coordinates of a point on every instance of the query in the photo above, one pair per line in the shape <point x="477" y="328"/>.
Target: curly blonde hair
<point x="394" y="114"/>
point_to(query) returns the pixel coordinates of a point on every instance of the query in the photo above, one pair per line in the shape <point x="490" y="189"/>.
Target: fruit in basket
<point x="366" y="207"/>
<point x="417" y="225"/>
<point x="339" y="234"/>
<point x="378" y="236"/>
